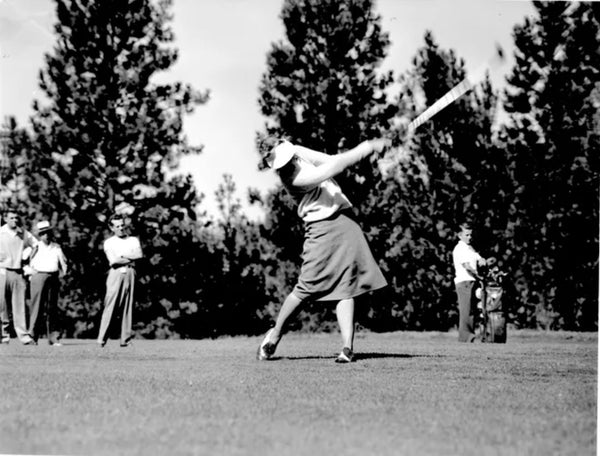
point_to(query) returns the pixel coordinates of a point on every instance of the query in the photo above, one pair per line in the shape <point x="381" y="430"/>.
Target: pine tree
<point x="552" y="140"/>
<point x="17" y="169"/>
<point x="108" y="136"/>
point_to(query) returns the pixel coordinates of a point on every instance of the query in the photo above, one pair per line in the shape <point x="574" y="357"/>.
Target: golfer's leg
<point x="288" y="307"/>
<point x="345" y="316"/>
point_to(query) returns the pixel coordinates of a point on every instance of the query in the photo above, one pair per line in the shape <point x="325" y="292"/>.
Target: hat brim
<point x="283" y="153"/>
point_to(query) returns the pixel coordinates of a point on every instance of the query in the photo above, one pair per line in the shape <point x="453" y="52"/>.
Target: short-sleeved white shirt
<point x="114" y="247"/>
<point x="48" y="258"/>
<point x="464" y="253"/>
<point x="320" y="201"/>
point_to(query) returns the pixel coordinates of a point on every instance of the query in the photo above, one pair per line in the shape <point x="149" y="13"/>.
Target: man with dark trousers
<point x="122" y="251"/>
<point x="47" y="264"/>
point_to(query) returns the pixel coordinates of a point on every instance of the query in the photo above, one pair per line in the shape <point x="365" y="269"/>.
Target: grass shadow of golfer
<point x="296" y="358"/>
<point x="357" y="356"/>
<point x="379" y="355"/>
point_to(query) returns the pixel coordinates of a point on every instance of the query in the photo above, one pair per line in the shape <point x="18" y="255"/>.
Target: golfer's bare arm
<point x="312" y="156"/>
<point x="335" y="164"/>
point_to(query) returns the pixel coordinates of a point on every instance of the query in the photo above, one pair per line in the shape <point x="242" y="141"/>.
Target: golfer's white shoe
<point x="345" y="356"/>
<point x="266" y="349"/>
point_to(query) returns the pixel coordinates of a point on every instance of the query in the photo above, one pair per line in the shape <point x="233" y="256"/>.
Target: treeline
<point x="522" y="164"/>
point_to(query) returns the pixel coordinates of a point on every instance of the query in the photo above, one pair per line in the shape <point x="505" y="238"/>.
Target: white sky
<point x="222" y="46"/>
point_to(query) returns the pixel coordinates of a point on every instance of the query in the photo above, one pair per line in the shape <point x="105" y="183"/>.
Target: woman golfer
<point x="337" y="264"/>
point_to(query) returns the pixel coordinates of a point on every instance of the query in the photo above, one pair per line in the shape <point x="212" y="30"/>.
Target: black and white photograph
<point x="299" y="227"/>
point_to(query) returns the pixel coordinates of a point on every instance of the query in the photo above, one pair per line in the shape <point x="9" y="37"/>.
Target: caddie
<point x="466" y="260"/>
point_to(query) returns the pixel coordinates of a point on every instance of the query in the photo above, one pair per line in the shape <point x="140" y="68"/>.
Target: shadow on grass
<point x="79" y="342"/>
<point x="357" y="356"/>
<point x="361" y="356"/>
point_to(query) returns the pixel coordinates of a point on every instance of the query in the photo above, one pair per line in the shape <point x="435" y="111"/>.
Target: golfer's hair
<point x="266" y="144"/>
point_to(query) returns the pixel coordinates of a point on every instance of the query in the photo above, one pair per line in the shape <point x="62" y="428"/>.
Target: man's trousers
<point x="467" y="306"/>
<point x="118" y="303"/>
<point x="44" y="297"/>
<point x="12" y="289"/>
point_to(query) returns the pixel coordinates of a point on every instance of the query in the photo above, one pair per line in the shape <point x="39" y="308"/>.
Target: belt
<point x="347" y="212"/>
<point x="19" y="270"/>
<point x="119" y="266"/>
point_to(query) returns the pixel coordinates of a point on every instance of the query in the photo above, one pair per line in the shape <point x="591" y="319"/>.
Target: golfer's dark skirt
<point x="336" y="261"/>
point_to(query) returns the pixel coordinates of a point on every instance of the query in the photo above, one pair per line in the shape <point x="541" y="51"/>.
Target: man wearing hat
<point x="47" y="264"/>
<point x="15" y="241"/>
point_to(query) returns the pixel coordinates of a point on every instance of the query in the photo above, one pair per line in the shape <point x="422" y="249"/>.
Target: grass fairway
<point x="408" y="393"/>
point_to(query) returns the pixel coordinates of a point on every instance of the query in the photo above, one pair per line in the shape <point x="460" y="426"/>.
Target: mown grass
<point x="408" y="393"/>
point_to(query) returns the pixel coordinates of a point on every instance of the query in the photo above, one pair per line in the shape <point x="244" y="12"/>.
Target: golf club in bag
<point x="493" y="314"/>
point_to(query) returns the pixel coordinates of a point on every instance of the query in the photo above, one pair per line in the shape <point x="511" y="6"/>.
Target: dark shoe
<point x="345" y="356"/>
<point x="126" y="344"/>
<point x="266" y="349"/>
<point x="101" y="343"/>
<point x="56" y="344"/>
<point x="30" y="342"/>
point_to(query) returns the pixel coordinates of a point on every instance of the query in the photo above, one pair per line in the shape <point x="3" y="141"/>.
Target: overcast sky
<point x="223" y="46"/>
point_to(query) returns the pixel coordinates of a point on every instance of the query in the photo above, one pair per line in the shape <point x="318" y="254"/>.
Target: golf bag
<point x="493" y="315"/>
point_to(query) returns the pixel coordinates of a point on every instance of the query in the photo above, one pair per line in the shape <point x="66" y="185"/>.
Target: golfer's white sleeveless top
<point x="319" y="202"/>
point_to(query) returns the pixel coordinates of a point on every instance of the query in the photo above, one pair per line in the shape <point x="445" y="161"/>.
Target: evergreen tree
<point x="322" y="89"/>
<point x="107" y="137"/>
<point x="552" y="140"/>
<point x="17" y="169"/>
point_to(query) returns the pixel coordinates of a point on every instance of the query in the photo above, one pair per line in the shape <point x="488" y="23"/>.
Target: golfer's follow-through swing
<point x="337" y="264"/>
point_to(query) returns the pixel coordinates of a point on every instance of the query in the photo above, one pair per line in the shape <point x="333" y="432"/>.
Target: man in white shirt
<point x="122" y="251"/>
<point x="14" y="242"/>
<point x="47" y="263"/>
<point x="466" y="260"/>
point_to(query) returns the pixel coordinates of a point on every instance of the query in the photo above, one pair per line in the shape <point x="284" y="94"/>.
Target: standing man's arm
<point x="113" y="257"/>
<point x="471" y="271"/>
<point x="4" y="250"/>
<point x="474" y="271"/>
<point x="30" y="240"/>
<point x="62" y="262"/>
<point x="135" y="252"/>
<point x="462" y="255"/>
